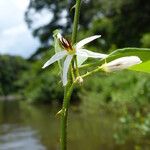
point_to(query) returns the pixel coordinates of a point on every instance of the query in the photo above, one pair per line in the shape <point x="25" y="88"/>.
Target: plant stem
<point x="76" y="21"/>
<point x="93" y="64"/>
<point x="64" y="116"/>
<point x="69" y="87"/>
<point x="92" y="72"/>
<point x="75" y="30"/>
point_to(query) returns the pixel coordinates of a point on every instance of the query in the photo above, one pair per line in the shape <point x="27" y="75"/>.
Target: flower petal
<point x="54" y="58"/>
<point x="81" y="60"/>
<point x="86" y="40"/>
<point x="66" y="68"/>
<point x="87" y="53"/>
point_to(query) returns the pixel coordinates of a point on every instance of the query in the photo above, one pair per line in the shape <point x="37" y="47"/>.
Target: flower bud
<point x="121" y="63"/>
<point x="80" y="80"/>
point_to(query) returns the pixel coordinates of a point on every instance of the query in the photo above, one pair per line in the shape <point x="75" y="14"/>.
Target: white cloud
<point x="15" y="38"/>
<point x="21" y="4"/>
<point x="10" y="14"/>
<point x="14" y="31"/>
<point x="41" y="18"/>
<point x="17" y="41"/>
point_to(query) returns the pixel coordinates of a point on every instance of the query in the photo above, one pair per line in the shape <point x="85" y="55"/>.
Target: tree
<point x="120" y="22"/>
<point x="11" y="68"/>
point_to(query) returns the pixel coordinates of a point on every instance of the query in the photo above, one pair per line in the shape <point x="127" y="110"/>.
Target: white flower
<point x="121" y="63"/>
<point x="70" y="50"/>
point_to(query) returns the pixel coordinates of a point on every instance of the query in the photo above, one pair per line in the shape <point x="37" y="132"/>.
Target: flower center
<point x="66" y="44"/>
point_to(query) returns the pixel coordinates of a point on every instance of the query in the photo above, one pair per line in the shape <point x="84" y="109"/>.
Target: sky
<point x="15" y="37"/>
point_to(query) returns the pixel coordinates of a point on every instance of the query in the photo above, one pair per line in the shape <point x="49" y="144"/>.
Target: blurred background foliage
<point x="112" y="19"/>
<point x="123" y="23"/>
<point x="11" y="68"/>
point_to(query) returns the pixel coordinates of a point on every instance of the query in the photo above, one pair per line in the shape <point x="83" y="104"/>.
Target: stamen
<point x="66" y="44"/>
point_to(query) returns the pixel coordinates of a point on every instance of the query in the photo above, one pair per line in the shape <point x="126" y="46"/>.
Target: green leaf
<point x="142" y="53"/>
<point x="145" y="67"/>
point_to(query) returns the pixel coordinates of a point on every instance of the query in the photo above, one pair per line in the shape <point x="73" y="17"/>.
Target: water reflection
<point x="27" y="127"/>
<point x="14" y="137"/>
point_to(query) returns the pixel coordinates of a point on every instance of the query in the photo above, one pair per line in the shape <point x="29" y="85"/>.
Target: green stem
<point x="92" y="64"/>
<point x="76" y="21"/>
<point x="69" y="87"/>
<point x="64" y="114"/>
<point x="75" y="30"/>
<point x="92" y="72"/>
<point x="72" y="72"/>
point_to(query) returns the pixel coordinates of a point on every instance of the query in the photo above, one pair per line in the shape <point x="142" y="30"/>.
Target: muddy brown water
<point x="29" y="127"/>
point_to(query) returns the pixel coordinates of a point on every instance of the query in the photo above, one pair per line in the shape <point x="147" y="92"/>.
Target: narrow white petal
<point x="54" y="58"/>
<point x="121" y="63"/>
<point x="66" y="68"/>
<point x="81" y="60"/>
<point x="87" y="53"/>
<point x="86" y="40"/>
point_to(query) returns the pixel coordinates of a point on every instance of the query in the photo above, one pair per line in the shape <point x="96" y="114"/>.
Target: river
<point x="31" y="127"/>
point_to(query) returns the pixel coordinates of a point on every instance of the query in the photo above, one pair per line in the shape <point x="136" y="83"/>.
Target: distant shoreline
<point x="10" y="97"/>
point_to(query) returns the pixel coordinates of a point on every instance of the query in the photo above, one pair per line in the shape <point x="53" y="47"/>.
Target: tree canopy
<point x="11" y="68"/>
<point x="121" y="23"/>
